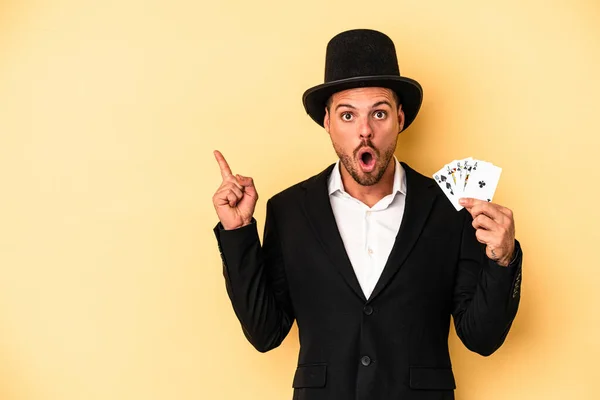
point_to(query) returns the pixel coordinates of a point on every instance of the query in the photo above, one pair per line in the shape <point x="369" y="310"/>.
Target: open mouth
<point x="366" y="159"/>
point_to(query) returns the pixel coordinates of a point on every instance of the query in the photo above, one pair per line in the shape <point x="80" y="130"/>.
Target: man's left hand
<point x="495" y="227"/>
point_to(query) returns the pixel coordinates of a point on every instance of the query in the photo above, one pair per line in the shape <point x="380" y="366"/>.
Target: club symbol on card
<point x="481" y="184"/>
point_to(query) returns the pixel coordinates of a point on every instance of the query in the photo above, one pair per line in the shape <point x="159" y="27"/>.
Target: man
<point x="368" y="256"/>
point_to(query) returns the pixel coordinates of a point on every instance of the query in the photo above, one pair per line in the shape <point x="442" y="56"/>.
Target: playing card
<point x="483" y="181"/>
<point x="451" y="171"/>
<point x="460" y="174"/>
<point x="469" y="166"/>
<point x="444" y="179"/>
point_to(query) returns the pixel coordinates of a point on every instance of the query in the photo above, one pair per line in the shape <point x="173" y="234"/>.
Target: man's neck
<point x="369" y="195"/>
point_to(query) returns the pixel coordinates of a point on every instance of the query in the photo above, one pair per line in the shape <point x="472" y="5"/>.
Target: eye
<point x="347" y="116"/>
<point x="380" y="114"/>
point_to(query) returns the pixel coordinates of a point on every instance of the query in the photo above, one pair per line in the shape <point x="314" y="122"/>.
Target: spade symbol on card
<point x="442" y="180"/>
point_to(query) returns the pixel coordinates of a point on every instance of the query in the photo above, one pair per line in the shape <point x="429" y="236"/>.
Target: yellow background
<point x="110" y="279"/>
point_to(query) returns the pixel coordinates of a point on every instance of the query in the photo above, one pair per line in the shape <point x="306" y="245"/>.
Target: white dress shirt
<point x="368" y="233"/>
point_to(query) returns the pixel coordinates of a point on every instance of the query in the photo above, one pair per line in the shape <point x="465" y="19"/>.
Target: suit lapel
<point x="321" y="218"/>
<point x="419" y="201"/>
<point x="420" y="198"/>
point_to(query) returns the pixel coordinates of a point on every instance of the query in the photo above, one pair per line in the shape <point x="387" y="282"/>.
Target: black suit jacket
<point x="393" y="345"/>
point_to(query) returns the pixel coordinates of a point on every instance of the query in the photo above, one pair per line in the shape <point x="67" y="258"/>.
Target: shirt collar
<point x="335" y="179"/>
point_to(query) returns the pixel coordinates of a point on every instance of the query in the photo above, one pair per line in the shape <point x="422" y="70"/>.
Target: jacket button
<point x="366" y="361"/>
<point x="368" y="310"/>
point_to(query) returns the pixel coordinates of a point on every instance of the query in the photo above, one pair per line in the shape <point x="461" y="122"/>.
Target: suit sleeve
<point x="486" y="294"/>
<point x="256" y="283"/>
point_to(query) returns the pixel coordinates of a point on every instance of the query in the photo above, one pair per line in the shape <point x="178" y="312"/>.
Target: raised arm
<point x="254" y="275"/>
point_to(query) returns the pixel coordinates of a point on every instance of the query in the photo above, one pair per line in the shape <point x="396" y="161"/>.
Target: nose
<point x="364" y="129"/>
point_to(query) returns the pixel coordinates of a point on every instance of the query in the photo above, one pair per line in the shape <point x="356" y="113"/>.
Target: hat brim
<point x="408" y="90"/>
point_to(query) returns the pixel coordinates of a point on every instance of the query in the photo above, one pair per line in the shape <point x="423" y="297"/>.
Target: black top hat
<point x="362" y="58"/>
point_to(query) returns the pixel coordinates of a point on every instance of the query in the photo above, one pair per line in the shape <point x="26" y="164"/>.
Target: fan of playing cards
<point x="468" y="178"/>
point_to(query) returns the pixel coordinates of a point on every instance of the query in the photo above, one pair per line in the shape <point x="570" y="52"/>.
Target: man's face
<point x="364" y="124"/>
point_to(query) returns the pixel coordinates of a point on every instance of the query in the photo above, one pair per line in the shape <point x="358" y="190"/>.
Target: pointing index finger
<point x="225" y="170"/>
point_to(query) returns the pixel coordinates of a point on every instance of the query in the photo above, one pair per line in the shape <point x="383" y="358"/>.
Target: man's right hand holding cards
<point x="471" y="184"/>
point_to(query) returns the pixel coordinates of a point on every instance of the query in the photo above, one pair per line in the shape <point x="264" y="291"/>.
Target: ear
<point x="326" y="120"/>
<point x="401" y="118"/>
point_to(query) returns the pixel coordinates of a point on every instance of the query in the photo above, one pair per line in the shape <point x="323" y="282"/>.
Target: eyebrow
<point x="379" y="103"/>
<point x="345" y="105"/>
